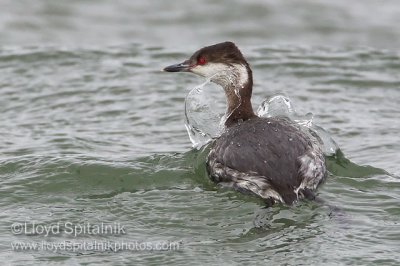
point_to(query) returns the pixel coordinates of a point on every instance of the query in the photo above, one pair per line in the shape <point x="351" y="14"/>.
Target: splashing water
<point x="280" y="105"/>
<point x="205" y="116"/>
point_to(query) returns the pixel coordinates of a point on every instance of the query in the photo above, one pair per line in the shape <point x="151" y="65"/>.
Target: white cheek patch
<point x="210" y="69"/>
<point x="223" y="74"/>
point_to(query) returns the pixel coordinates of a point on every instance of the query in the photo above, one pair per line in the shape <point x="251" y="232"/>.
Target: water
<point x="92" y="132"/>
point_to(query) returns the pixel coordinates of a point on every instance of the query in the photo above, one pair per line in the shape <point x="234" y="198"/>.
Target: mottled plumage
<point x="268" y="157"/>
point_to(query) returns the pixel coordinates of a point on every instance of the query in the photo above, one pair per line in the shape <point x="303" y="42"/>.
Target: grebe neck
<point x="238" y="92"/>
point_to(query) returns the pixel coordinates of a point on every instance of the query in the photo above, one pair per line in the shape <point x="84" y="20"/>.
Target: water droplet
<point x="197" y="189"/>
<point x="265" y="161"/>
<point x="238" y="144"/>
<point x="290" y="139"/>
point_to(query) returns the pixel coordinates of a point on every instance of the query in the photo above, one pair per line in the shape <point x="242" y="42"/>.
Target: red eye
<point x="201" y="60"/>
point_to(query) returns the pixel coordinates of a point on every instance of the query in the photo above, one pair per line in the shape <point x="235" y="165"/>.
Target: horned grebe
<point x="269" y="157"/>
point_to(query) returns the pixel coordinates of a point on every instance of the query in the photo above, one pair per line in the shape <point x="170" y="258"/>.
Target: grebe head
<point x="224" y="64"/>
